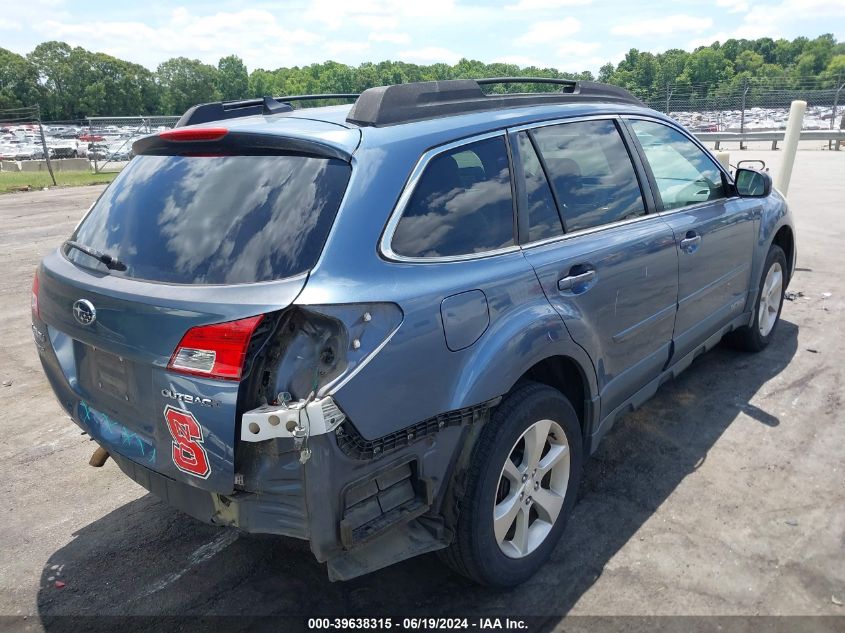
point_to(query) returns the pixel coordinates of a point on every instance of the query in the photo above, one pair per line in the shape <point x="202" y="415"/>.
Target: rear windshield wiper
<point x="112" y="263"/>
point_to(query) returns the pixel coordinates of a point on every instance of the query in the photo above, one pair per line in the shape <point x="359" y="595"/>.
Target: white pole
<point x="725" y="159"/>
<point x="790" y="144"/>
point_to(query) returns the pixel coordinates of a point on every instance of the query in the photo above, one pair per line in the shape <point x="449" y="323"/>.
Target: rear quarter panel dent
<point x="510" y="348"/>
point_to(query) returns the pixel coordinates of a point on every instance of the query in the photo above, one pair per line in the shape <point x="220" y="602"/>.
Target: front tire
<point x="767" y="308"/>
<point x="521" y="485"/>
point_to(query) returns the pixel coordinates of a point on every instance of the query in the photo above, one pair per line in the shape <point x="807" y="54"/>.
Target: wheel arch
<point x="565" y="374"/>
<point x="775" y="227"/>
<point x="533" y="346"/>
<point x="785" y="238"/>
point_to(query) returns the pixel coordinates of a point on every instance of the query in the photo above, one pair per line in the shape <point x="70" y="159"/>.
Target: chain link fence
<point x="97" y="143"/>
<point x="759" y="105"/>
<point x="22" y="138"/>
<point x="110" y="139"/>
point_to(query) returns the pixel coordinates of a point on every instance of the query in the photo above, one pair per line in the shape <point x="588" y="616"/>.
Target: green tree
<point x="55" y="72"/>
<point x="18" y="81"/>
<point x="765" y="47"/>
<point x="232" y="78"/>
<point x="264" y="83"/>
<point x="671" y="65"/>
<point x="707" y="66"/>
<point x="72" y="82"/>
<point x="836" y="68"/>
<point x="606" y="72"/>
<point x="184" y="83"/>
<point x="748" y="61"/>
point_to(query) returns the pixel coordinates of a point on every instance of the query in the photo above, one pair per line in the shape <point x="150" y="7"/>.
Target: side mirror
<point x="753" y="184"/>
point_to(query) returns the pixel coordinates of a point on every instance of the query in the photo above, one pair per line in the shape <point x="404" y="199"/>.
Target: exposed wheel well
<point x="565" y="375"/>
<point x="786" y="241"/>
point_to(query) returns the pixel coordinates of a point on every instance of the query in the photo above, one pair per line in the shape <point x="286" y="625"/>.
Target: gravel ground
<point x="724" y="495"/>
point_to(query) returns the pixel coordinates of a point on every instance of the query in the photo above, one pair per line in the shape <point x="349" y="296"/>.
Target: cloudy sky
<point x="571" y="35"/>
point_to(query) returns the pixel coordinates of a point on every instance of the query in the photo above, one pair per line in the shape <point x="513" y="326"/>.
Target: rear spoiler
<point x="233" y="142"/>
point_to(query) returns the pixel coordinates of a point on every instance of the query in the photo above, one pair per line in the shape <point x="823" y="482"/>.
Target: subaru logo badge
<point x="84" y="312"/>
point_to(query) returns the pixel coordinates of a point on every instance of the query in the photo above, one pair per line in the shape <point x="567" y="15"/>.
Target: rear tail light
<point x="215" y="351"/>
<point x="36" y="313"/>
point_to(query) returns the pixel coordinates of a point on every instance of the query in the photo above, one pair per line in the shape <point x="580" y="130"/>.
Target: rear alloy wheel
<point x="756" y="337"/>
<point x="531" y="489"/>
<point x="519" y="488"/>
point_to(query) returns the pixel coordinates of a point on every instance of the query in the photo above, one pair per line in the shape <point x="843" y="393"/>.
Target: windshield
<point x="215" y="219"/>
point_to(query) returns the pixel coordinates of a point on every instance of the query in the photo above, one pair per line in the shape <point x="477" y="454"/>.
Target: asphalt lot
<point x="724" y="495"/>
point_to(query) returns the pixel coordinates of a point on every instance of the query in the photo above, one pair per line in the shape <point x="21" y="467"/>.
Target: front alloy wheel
<point x="771" y="295"/>
<point x="756" y="336"/>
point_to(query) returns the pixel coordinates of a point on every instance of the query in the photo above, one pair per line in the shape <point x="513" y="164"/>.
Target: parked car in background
<point x="15" y="148"/>
<point x="401" y="326"/>
<point x="97" y="151"/>
<point x="65" y="148"/>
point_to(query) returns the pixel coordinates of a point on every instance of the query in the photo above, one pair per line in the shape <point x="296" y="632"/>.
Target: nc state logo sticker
<point x="189" y="456"/>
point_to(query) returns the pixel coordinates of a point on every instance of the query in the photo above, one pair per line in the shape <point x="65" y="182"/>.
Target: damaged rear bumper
<point x="358" y="514"/>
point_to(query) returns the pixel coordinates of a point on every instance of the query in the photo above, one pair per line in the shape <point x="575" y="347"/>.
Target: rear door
<point x="201" y="241"/>
<point x="606" y="263"/>
<point x="714" y="232"/>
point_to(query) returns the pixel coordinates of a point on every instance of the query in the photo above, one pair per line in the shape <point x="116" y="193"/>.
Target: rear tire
<point x="521" y="484"/>
<point x="767" y="307"/>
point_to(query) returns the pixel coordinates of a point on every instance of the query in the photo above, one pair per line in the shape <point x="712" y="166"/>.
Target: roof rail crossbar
<point x="222" y="110"/>
<point x="569" y="85"/>
<point x="321" y="97"/>
<point x="403" y="103"/>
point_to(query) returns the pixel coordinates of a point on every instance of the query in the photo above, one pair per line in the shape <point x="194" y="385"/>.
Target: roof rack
<point x="320" y="97"/>
<point x="568" y="83"/>
<point x="221" y="110"/>
<point x="402" y="103"/>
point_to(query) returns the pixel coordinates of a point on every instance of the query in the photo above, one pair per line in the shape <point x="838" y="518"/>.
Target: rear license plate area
<point x="106" y="374"/>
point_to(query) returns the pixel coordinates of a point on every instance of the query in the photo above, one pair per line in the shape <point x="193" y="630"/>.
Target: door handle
<point x="691" y="242"/>
<point x="567" y="283"/>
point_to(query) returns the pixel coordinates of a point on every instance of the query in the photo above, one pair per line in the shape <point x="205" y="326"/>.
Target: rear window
<point x="216" y="219"/>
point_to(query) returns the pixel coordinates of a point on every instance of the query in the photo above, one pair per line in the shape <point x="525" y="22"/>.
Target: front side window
<point x="684" y="174"/>
<point x="462" y="204"/>
<point x="591" y="172"/>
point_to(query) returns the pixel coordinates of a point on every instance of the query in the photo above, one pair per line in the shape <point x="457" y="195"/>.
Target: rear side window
<point x="591" y="172"/>
<point x="462" y="204"/>
<point x="216" y="219"/>
<point x="543" y="219"/>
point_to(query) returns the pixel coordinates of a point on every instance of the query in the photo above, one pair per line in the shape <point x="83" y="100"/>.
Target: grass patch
<point x="11" y="181"/>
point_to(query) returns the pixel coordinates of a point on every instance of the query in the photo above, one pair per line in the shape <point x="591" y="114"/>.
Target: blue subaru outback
<point x="401" y="326"/>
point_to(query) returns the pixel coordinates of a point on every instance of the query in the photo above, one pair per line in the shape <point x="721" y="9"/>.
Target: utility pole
<point x="835" y="104"/>
<point x="44" y="145"/>
<point x="742" y="113"/>
<point x="668" y="96"/>
<point x="91" y="144"/>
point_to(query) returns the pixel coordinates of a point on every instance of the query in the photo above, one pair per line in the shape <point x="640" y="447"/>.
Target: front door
<point x="714" y="232"/>
<point x="608" y="266"/>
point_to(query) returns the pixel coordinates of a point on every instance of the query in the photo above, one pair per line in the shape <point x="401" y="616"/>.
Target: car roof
<point x="430" y="112"/>
<point x="329" y="124"/>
